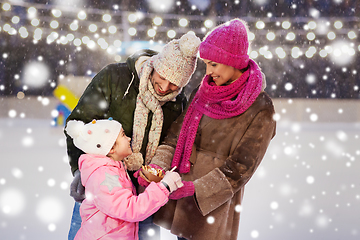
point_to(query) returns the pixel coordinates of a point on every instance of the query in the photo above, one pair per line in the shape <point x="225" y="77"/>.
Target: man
<point x="144" y="95"/>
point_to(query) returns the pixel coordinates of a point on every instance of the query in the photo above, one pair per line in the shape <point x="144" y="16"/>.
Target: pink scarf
<point x="217" y="102"/>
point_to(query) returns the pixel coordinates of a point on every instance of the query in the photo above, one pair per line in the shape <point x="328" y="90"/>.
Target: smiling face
<point x="121" y="148"/>
<point x="162" y="86"/>
<point x="221" y="74"/>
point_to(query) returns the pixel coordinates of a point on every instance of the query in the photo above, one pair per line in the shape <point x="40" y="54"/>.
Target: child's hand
<point x="141" y="181"/>
<point x="173" y="180"/>
<point x="144" y="182"/>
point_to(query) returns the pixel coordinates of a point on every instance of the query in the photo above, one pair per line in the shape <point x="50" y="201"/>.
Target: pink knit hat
<point x="227" y="44"/>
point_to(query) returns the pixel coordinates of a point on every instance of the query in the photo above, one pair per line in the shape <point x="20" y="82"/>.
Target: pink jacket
<point x="111" y="209"/>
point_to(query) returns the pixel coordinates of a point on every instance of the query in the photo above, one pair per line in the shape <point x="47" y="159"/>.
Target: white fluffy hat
<point x="96" y="137"/>
<point x="177" y="61"/>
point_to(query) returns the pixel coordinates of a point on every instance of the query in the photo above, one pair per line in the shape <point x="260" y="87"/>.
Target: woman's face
<point x="221" y="74"/>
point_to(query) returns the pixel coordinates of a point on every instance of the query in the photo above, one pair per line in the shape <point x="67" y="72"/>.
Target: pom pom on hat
<point x="227" y="44"/>
<point x="189" y="45"/>
<point x="96" y="137"/>
<point x="177" y="61"/>
<point x="74" y="128"/>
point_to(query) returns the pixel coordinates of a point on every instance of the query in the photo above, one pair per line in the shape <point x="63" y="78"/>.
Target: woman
<point x="220" y="139"/>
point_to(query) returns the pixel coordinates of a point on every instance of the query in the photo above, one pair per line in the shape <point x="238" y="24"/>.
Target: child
<point x="111" y="209"/>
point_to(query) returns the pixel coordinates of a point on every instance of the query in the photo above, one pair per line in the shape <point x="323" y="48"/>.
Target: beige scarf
<point x="147" y="100"/>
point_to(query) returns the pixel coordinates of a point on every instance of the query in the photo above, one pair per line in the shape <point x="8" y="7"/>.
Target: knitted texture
<point x="134" y="161"/>
<point x="173" y="180"/>
<point x="216" y="102"/>
<point x="188" y="189"/>
<point x="96" y="137"/>
<point x="148" y="100"/>
<point x="177" y="61"/>
<point x="227" y="44"/>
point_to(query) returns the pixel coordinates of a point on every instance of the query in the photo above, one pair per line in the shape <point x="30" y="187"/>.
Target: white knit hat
<point x="177" y="61"/>
<point x="96" y="137"/>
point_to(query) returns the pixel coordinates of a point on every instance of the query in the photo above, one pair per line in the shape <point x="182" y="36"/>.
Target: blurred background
<point x="307" y="48"/>
<point x="308" y="184"/>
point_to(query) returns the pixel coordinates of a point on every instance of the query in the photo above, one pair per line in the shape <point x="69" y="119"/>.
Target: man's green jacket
<point x="105" y="97"/>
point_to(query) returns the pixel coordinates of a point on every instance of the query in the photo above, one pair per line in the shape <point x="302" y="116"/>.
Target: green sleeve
<point x="93" y="104"/>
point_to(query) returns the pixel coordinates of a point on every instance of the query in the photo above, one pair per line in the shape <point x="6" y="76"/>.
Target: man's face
<point x="162" y="86"/>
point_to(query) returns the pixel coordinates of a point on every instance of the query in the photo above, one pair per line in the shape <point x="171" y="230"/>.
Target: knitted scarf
<point x="147" y="100"/>
<point x="219" y="102"/>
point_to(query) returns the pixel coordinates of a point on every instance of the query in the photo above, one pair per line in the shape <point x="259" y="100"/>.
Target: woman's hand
<point x="187" y="190"/>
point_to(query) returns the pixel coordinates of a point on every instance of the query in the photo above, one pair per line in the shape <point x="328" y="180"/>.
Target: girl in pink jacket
<point x="111" y="209"/>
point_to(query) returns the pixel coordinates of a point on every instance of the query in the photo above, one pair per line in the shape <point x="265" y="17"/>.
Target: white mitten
<point x="173" y="180"/>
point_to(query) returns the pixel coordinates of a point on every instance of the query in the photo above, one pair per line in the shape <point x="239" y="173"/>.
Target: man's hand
<point x="77" y="190"/>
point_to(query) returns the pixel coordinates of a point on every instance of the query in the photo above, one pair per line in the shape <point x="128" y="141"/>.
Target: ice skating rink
<point x="307" y="187"/>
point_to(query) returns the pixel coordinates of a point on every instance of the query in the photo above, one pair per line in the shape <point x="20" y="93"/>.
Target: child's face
<point x="121" y="148"/>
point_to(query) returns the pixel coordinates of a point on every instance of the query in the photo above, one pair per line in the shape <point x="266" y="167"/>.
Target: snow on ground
<point x="307" y="187"/>
<point x="34" y="180"/>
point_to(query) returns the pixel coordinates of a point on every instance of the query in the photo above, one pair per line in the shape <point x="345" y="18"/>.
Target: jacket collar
<point x="131" y="62"/>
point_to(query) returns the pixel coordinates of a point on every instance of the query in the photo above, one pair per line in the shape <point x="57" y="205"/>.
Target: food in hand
<point x="151" y="174"/>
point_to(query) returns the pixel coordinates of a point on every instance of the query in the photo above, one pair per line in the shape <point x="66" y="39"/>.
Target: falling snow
<point x="306" y="187"/>
<point x="313" y="193"/>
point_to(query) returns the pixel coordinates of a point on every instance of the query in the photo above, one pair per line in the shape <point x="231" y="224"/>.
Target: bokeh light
<point x="56" y="13"/>
<point x="82" y="15"/>
<point x="342" y="53"/>
<point x="157" y="21"/>
<point x="254" y="234"/>
<point x="35" y="74"/>
<point x="208" y="23"/>
<point x="171" y="34"/>
<point x="132" y="31"/>
<point x="161" y="6"/>
<point x="12" y="201"/>
<point x="106" y="17"/>
<point x="260" y="25"/>
<point x="301" y="56"/>
<point x="183" y="22"/>
<point x="50" y="210"/>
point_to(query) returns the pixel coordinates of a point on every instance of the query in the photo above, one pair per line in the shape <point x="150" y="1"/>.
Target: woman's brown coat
<point x="225" y="155"/>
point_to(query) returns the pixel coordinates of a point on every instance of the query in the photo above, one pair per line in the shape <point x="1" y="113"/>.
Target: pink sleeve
<point x="112" y="195"/>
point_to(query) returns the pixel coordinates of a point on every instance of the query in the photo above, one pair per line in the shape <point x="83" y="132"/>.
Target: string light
<point x="73" y="31"/>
